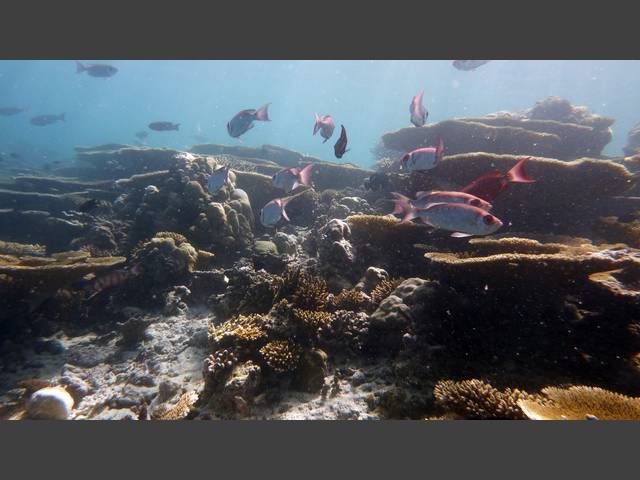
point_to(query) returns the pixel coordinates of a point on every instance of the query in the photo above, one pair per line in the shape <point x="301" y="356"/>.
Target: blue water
<point x="368" y="97"/>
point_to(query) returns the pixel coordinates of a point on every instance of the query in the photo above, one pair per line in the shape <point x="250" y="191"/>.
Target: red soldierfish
<point x="490" y="185"/>
<point x="406" y="206"/>
<point x="418" y="112"/>
<point x="461" y="219"/>
<point x="469" y="64"/>
<point x="325" y="125"/>
<point x="422" y="159"/>
<point x="274" y="211"/>
<point x="291" y="178"/>
<point x="243" y="120"/>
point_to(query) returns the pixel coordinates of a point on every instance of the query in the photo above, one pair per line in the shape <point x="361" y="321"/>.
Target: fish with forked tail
<point x="406" y="206"/>
<point x="164" y="126"/>
<point x="419" y="114"/>
<point x="492" y="184"/>
<point x="97" y="70"/>
<point x="220" y="178"/>
<point x="461" y="219"/>
<point x="291" y="178"/>
<point x="325" y="125"/>
<point x="422" y="159"/>
<point x="43" y="120"/>
<point x="274" y="211"/>
<point x="243" y="120"/>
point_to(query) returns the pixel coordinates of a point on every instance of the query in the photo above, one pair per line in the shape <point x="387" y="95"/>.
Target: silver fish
<point x="291" y="178"/>
<point x="464" y="220"/>
<point x="219" y="179"/>
<point x="274" y="211"/>
<point x="422" y="159"/>
<point x="418" y="112"/>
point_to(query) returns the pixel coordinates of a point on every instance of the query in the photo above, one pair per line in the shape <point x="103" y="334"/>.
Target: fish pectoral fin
<point x="460" y="235"/>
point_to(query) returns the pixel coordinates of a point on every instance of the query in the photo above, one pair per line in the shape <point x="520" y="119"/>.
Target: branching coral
<point x="351" y="299"/>
<point x="475" y="399"/>
<point x="580" y="403"/>
<point x="240" y="329"/>
<point x="281" y="355"/>
<point x="219" y="363"/>
<point x="311" y="320"/>
<point x="181" y="409"/>
<point x="384" y="289"/>
<point x="311" y="292"/>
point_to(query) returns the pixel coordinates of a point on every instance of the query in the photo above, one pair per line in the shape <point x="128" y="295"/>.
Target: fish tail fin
<point x="402" y="204"/>
<point x="177" y="125"/>
<point x="62" y="117"/>
<point x="262" y="113"/>
<point x="410" y="215"/>
<point x="517" y="173"/>
<point x="284" y="203"/>
<point x="304" y="175"/>
<point x="316" y="126"/>
<point x="80" y="67"/>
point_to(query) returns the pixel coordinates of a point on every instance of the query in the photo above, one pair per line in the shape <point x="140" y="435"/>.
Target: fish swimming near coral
<point x="274" y="211"/>
<point x="108" y="280"/>
<point x="164" y="126"/>
<point x="243" y="120"/>
<point x="419" y="114"/>
<point x="291" y="178"/>
<point x="43" y="120"/>
<point x="461" y="219"/>
<point x="10" y="111"/>
<point x="325" y="125"/>
<point x="340" y="148"/>
<point x="142" y="134"/>
<point x="406" y="206"/>
<point x="422" y="159"/>
<point x="467" y="65"/>
<point x="97" y="70"/>
<point x="219" y="179"/>
<point x="492" y="184"/>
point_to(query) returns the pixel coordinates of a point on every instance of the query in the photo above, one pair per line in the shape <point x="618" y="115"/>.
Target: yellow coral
<point x="384" y="289"/>
<point x="580" y="403"/>
<point x="311" y="319"/>
<point x="311" y="292"/>
<point x="281" y="355"/>
<point x="475" y="399"/>
<point x="181" y="409"/>
<point x="242" y="328"/>
<point x="352" y="300"/>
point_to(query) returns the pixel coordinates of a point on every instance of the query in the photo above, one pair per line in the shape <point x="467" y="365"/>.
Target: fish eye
<point x="488" y="219"/>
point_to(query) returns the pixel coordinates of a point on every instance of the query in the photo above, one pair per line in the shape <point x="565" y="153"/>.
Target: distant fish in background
<point x="43" y="120"/>
<point x="97" y="70"/>
<point x="467" y="65"/>
<point x="422" y="159"/>
<point x="10" y="111"/>
<point x="243" y="120"/>
<point x="291" y="178"/>
<point x="274" y="211"/>
<point x="419" y="114"/>
<point x="492" y="184"/>
<point x="142" y="135"/>
<point x="89" y="205"/>
<point x="164" y="126"/>
<point x="340" y="148"/>
<point x="325" y="125"/>
<point x="461" y="219"/>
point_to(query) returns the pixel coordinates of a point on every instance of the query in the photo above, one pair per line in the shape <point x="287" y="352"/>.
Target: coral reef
<point x="633" y="141"/>
<point x="580" y="403"/>
<point x="239" y="330"/>
<point x="281" y="355"/>
<point x="478" y="400"/>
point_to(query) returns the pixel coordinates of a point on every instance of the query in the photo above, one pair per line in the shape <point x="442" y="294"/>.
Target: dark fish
<point x="97" y="70"/>
<point x="490" y="185"/>
<point x="469" y="64"/>
<point x="142" y="135"/>
<point x="10" y="111"/>
<point x="340" y="148"/>
<point x="42" y="120"/>
<point x="108" y="280"/>
<point x="56" y="162"/>
<point x="164" y="126"/>
<point x="89" y="205"/>
<point x="377" y="182"/>
<point x="243" y="121"/>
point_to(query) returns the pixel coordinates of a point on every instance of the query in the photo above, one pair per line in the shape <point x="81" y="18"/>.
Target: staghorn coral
<point x="311" y="320"/>
<point x="475" y="399"/>
<point x="241" y="329"/>
<point x="281" y="355"/>
<point x="384" y="289"/>
<point x="311" y="292"/>
<point x="181" y="409"/>
<point x="351" y="299"/>
<point x="580" y="403"/>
